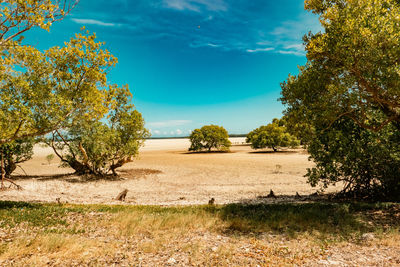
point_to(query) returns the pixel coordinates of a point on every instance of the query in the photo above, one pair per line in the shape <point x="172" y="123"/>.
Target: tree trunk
<point x="3" y="173"/>
<point x="119" y="163"/>
<point x="79" y="168"/>
<point x="275" y="149"/>
<point x="9" y="168"/>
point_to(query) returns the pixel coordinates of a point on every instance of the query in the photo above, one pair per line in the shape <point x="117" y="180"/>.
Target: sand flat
<point x="166" y="174"/>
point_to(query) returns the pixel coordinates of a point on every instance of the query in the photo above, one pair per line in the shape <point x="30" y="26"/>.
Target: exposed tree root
<point x="17" y="186"/>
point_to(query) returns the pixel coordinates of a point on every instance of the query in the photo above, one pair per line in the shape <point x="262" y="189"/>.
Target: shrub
<point x="100" y="147"/>
<point x="273" y="136"/>
<point x="49" y="158"/>
<point x="208" y="137"/>
<point x="15" y="153"/>
<point x="367" y="162"/>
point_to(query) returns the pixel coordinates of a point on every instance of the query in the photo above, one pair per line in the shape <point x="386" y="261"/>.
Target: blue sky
<point x="194" y="62"/>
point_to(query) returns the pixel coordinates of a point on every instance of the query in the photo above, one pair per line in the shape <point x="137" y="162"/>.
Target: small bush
<point x="209" y="137"/>
<point x="100" y="147"/>
<point x="15" y="153"/>
<point x="49" y="158"/>
<point x="274" y="135"/>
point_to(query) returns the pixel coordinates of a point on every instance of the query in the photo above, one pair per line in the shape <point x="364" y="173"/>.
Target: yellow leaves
<point x="60" y="83"/>
<point x="52" y="88"/>
<point x="21" y="15"/>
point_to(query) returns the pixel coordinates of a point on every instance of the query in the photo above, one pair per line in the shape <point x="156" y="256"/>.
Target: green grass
<point x="34" y="234"/>
<point x="335" y="219"/>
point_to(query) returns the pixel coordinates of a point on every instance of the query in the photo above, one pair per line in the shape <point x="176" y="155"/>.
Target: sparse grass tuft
<point x="235" y="234"/>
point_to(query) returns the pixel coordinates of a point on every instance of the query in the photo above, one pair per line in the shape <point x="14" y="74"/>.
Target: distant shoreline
<point x="186" y="137"/>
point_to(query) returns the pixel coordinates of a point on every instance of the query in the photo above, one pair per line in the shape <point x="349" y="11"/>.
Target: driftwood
<point x="121" y="196"/>
<point x="211" y="201"/>
<point x="297" y="195"/>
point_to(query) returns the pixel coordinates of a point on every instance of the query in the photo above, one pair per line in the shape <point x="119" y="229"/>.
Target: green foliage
<point x="273" y="135"/>
<point x="99" y="147"/>
<point x="31" y="93"/>
<point x="353" y="67"/>
<point x="208" y="137"/>
<point x="54" y="87"/>
<point x="49" y="158"/>
<point x="15" y="153"/>
<point x="344" y="103"/>
<point x="366" y="162"/>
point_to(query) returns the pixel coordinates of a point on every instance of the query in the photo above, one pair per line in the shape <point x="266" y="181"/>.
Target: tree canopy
<point x="273" y="135"/>
<point x="63" y="90"/>
<point x="19" y="16"/>
<point x="41" y="91"/>
<point x="345" y="101"/>
<point x="353" y="66"/>
<point x="209" y="137"/>
<point x="101" y="146"/>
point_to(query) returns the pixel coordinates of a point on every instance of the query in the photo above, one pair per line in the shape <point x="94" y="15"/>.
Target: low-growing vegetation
<point x="209" y="137"/>
<point x="273" y="135"/>
<point x="16" y="152"/>
<point x="100" y="147"/>
<point x="235" y="234"/>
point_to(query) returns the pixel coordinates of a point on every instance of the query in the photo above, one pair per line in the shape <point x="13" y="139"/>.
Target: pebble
<point x="368" y="236"/>
<point x="171" y="261"/>
<point x="329" y="262"/>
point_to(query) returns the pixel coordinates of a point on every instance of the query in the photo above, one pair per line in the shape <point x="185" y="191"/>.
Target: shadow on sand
<point x="43" y="177"/>
<point x="273" y="152"/>
<point x="208" y="152"/>
<point x="74" y="178"/>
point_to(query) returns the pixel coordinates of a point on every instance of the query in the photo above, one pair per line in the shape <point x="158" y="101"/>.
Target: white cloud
<point x="213" y="45"/>
<point x="169" y="123"/>
<point x="260" y="50"/>
<point x="298" y="47"/>
<point x="293" y="30"/>
<point x="94" y="22"/>
<point x="293" y="49"/>
<point x="156" y="132"/>
<point x="285" y="52"/>
<point x="196" y="5"/>
<point x="181" y="5"/>
<point x="199" y="44"/>
<point x="179" y="131"/>
<point x="288" y="35"/>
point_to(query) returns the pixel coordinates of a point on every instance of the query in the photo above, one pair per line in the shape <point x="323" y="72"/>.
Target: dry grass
<point x="310" y="234"/>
